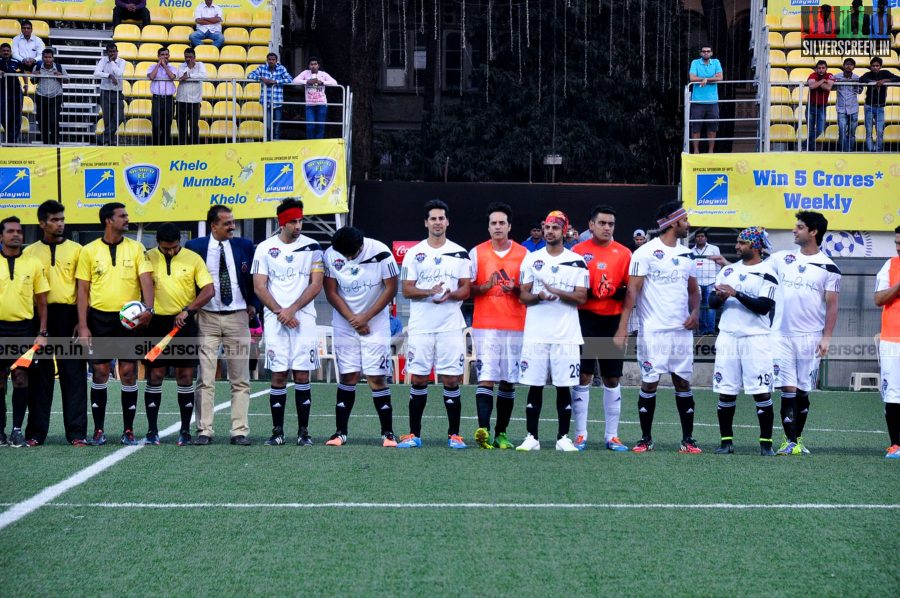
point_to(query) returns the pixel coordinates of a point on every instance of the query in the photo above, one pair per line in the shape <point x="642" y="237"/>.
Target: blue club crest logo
<point x="538" y="264"/>
<point x="554" y="269"/>
<point x="658" y="254"/>
<point x="802" y="268"/>
<point x="338" y="264"/>
<point x="142" y="181"/>
<point x="743" y="277"/>
<point x="789" y="258"/>
<point x="727" y="272"/>
<point x="588" y="257"/>
<point x="523" y="365"/>
<point x="320" y="174"/>
<point x="279" y="177"/>
<point x="15" y="182"/>
<point x="99" y="183"/>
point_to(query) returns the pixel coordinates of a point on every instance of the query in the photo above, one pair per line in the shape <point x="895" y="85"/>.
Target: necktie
<point x="224" y="278"/>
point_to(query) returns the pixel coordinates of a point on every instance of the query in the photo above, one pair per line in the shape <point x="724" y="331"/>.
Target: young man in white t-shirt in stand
<point x="287" y="275"/>
<point x="360" y="282"/>
<point x="808" y="291"/>
<point x="436" y="277"/>
<point x="663" y="286"/>
<point x="555" y="281"/>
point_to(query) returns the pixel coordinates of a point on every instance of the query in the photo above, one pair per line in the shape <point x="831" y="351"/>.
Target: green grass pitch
<point x="227" y="520"/>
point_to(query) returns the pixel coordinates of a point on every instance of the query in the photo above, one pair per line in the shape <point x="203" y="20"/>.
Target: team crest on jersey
<point x="789" y="258"/>
<point x="420" y="257"/>
<point x="646" y="366"/>
<point x="802" y="268"/>
<point x="776" y="370"/>
<point x="554" y="269"/>
<point x="523" y="365"/>
<point x="588" y="257"/>
<point x="538" y="264"/>
<point x="338" y="264"/>
<point x="601" y="265"/>
<point x="354" y="271"/>
<point x="742" y="277"/>
<point x="410" y="356"/>
<point x="289" y="258"/>
<point x="659" y="254"/>
<point x="728" y="271"/>
<point x="718" y="377"/>
<point x="675" y="260"/>
<point x="270" y="354"/>
<point x="437" y="259"/>
<point x="478" y="366"/>
<point x="274" y="252"/>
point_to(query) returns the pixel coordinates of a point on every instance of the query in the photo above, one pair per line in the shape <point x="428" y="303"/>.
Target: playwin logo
<point x="712" y="189"/>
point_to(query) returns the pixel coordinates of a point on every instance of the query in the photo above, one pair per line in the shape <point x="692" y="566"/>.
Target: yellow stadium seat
<point x="50" y="11"/>
<point x="251" y="129"/>
<point x="795" y="58"/>
<point x="249" y="69"/>
<point x="860" y="133"/>
<point x="101" y="14"/>
<point x="26" y="127"/>
<point x="233" y="54"/>
<point x="10" y="28"/>
<point x="148" y="52"/>
<point x="782" y="133"/>
<point x="138" y="108"/>
<point x="890" y="60"/>
<point x="207" y="53"/>
<point x="20" y="10"/>
<point x="775" y="40"/>
<point x="180" y="34"/>
<point x="790" y="22"/>
<point x="830" y="135"/>
<point x="136" y="127"/>
<point x="100" y="128"/>
<point x="206" y="109"/>
<point x="261" y="36"/>
<point x="27" y="105"/>
<point x="252" y="110"/>
<point x="155" y="33"/>
<point x="222" y="129"/>
<point x="893" y="94"/>
<point x="237" y="35"/>
<point x="211" y="71"/>
<point x="224" y="109"/>
<point x="126" y="85"/>
<point x="209" y="90"/>
<point x="781" y="114"/>
<point x="776" y="58"/>
<point x="251" y="91"/>
<point x="777" y="74"/>
<point x="127" y="33"/>
<point x="183" y="16"/>
<point x="800" y="74"/>
<point x="780" y="95"/>
<point x="262" y="18"/>
<point x="897" y="41"/>
<point x="127" y="50"/>
<point x="141" y="89"/>
<point x="227" y="91"/>
<point x="792" y="40"/>
<point x="231" y="71"/>
<point x="892" y="134"/>
<point x="237" y="18"/>
<point x="6" y="40"/>
<point x="203" y="128"/>
<point x="2" y="9"/>
<point x="773" y="22"/>
<point x="160" y="15"/>
<point x="176" y="51"/>
<point x="77" y="12"/>
<point x="831" y="61"/>
<point x="257" y="54"/>
<point x="831" y="114"/>
<point x="40" y="29"/>
<point x="799" y="92"/>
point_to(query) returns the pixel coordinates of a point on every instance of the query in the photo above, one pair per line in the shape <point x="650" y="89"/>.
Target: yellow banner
<point x="853" y="191"/>
<point x="253" y="6"/>
<point x="27" y="179"/>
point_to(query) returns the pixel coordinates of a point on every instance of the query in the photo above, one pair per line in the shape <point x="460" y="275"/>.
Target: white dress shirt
<point x="207" y="12"/>
<point x="190" y="91"/>
<point x="106" y="68"/>
<point x="23" y="49"/>
<point x="212" y="264"/>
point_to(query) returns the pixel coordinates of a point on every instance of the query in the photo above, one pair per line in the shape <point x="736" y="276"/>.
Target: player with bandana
<point x="360" y="282"/>
<point x="663" y="286"/>
<point x="287" y="276"/>
<point x="808" y="291"/>
<point x="746" y="292"/>
<point x="554" y="283"/>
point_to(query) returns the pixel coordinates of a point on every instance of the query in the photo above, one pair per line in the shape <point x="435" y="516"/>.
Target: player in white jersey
<point x="663" y="285"/>
<point x="554" y="283"/>
<point x="436" y="277"/>
<point x="746" y="292"/>
<point x="360" y="282"/>
<point x="807" y="299"/>
<point x="887" y="297"/>
<point x="287" y="276"/>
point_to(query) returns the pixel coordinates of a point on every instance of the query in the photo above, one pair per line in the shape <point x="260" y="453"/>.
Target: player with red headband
<point x="554" y="283"/>
<point x="287" y="275"/>
<point x="663" y="286"/>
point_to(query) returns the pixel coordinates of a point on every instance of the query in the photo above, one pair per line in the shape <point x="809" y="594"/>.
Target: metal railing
<point x="230" y="111"/>
<point x="694" y="125"/>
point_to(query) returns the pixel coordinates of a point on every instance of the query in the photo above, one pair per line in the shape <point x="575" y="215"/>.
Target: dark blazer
<point x="242" y="250"/>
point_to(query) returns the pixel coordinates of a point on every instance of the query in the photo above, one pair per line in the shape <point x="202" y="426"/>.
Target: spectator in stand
<point x="110" y="70"/>
<point x="876" y="98"/>
<point x="27" y="48"/>
<point x="847" y="105"/>
<point x="571" y="238"/>
<point x="49" y="95"/>
<point x="854" y="22"/>
<point x="190" y="77"/>
<point x="639" y="236"/>
<point x="536" y="239"/>
<point x="11" y="98"/>
<point x="820" y="82"/>
<point x="273" y="77"/>
<point x="707" y="270"/>
<point x="208" y="17"/>
<point x="162" y="100"/>
<point x="706" y="72"/>
<point x="880" y="24"/>
<point x="316" y="102"/>
<point x="131" y="10"/>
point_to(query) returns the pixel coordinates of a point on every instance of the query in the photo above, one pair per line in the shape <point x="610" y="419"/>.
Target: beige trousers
<point x="232" y="333"/>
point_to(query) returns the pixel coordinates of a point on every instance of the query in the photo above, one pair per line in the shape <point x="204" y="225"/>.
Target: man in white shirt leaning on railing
<point x="190" y="77"/>
<point x="110" y="70"/>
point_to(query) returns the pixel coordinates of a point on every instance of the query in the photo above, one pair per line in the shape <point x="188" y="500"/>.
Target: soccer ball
<point x="129" y="313"/>
<point x="844" y="244"/>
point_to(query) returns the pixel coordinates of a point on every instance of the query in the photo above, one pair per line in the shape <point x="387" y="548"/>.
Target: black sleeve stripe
<point x="463" y="255"/>
<point x="310" y="247"/>
<point x="575" y="264"/>
<point x="380" y="257"/>
<point x="770" y="278"/>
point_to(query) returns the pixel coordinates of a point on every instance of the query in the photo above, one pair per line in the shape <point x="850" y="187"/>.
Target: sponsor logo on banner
<point x="279" y="177"/>
<point x="142" y="181"/>
<point x="99" y="183"/>
<point x="712" y="189"/>
<point x="319" y="174"/>
<point x="15" y="182"/>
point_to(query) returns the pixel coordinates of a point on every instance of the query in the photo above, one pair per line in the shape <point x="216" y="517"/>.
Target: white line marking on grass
<point x="477" y="505"/>
<point x="21" y="509"/>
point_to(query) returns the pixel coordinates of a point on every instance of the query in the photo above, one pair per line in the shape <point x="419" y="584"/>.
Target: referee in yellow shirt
<point x="22" y="286"/>
<point x="112" y="271"/>
<point x="59" y="257"/>
<point x="177" y="275"/>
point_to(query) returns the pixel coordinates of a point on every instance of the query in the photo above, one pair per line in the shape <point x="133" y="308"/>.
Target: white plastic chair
<point x="325" y="349"/>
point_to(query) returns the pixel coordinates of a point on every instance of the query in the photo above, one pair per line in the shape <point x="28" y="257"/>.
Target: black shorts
<point x="598" y="332"/>
<point x="707" y="114"/>
<point x="109" y="339"/>
<point x="182" y="351"/>
<point x="16" y="339"/>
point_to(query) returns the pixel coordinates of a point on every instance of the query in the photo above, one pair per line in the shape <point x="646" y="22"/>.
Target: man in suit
<point x="223" y="322"/>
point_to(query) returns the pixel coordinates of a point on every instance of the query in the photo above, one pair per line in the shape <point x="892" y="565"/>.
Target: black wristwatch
<point x="43" y="333"/>
<point x="189" y="311"/>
